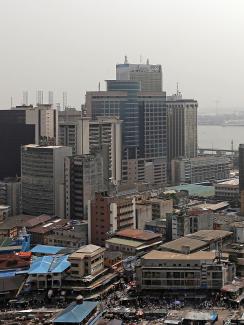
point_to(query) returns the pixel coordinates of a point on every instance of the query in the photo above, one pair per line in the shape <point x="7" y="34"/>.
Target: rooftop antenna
<point x="50" y="97"/>
<point x="126" y="60"/>
<point x="39" y="97"/>
<point x="99" y="86"/>
<point x="25" y="98"/>
<point x="147" y="61"/>
<point x="177" y="88"/>
<point x="64" y="99"/>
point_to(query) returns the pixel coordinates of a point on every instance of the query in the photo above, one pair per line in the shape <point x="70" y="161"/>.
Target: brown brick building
<point x="109" y="214"/>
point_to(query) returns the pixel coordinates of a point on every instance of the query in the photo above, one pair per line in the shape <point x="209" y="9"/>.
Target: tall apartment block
<point x="84" y="176"/>
<point x="144" y="128"/>
<point x="10" y="195"/>
<point x="182" y="127"/>
<point x="108" y="214"/>
<point x="149" y="75"/>
<point x="42" y="176"/>
<point x="83" y="135"/>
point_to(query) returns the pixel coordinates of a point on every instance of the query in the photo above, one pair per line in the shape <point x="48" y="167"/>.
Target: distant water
<point x="219" y="137"/>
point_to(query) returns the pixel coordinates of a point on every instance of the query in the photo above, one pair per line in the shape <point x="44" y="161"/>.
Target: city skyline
<point x="205" y="60"/>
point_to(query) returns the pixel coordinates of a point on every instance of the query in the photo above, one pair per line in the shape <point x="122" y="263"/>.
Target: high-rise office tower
<point x="144" y="128"/>
<point x="10" y="195"/>
<point x="42" y="176"/>
<point x="84" y="176"/>
<point x="149" y="75"/>
<point x="182" y="127"/>
<point x="14" y="132"/>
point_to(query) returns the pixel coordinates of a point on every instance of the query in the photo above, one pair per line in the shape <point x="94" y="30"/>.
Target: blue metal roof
<point x="49" y="264"/>
<point x="7" y="274"/>
<point x="76" y="313"/>
<point x="45" y="249"/>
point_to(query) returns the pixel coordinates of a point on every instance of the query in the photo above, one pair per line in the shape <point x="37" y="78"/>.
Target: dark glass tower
<point x="241" y="167"/>
<point x="13" y="134"/>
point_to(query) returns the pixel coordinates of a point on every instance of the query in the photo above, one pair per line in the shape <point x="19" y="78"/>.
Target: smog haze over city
<point x="71" y="45"/>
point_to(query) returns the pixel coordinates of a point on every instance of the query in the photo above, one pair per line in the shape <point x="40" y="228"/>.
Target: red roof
<point x="138" y="234"/>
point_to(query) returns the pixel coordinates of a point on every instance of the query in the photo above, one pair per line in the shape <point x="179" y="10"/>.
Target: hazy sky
<point x="71" y="45"/>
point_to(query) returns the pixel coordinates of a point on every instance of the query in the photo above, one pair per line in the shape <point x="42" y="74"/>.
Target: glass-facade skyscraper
<point x="144" y="127"/>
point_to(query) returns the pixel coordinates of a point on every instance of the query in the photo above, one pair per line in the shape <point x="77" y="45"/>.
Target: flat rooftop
<point x="231" y="182"/>
<point x="210" y="235"/>
<point x="24" y="220"/>
<point x="126" y="242"/>
<point x="90" y="250"/>
<point x="178" y="244"/>
<point x="136" y="234"/>
<point x="213" y="206"/>
<point x="159" y="255"/>
<point x="195" y="190"/>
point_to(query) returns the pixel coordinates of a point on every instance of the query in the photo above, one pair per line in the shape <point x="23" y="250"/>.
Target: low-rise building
<point x="161" y="207"/>
<point x="201" y="240"/>
<point x="11" y="226"/>
<point x="39" y="232"/>
<point x="5" y="211"/>
<point x="200" y="169"/>
<point x="158" y="226"/>
<point x="71" y="235"/>
<point x="143" y="213"/>
<point x="77" y="313"/>
<point x="10" y="194"/>
<point x="175" y="271"/>
<point x="47" y="272"/>
<point x="87" y="260"/>
<point x="133" y="242"/>
<point x="228" y="190"/>
<point x="188" y="222"/>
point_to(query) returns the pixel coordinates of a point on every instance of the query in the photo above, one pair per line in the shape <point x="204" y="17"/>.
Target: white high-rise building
<point x="84" y="134"/>
<point x="42" y="175"/>
<point x="45" y="119"/>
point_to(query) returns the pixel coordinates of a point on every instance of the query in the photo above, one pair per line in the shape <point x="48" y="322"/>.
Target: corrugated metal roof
<point x="76" y="313"/>
<point x="45" y="249"/>
<point x="49" y="264"/>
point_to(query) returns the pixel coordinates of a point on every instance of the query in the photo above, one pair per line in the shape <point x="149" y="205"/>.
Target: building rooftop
<point x="47" y="250"/>
<point x="213" y="206"/>
<point x="210" y="235"/>
<point x="232" y="182"/>
<point x="75" y="313"/>
<point x="136" y="234"/>
<point x="49" y="264"/>
<point x="202" y="255"/>
<point x="126" y="242"/>
<point x="87" y="250"/>
<point x="47" y="227"/>
<point x="23" y="220"/>
<point x="179" y="244"/>
<point x="195" y="190"/>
